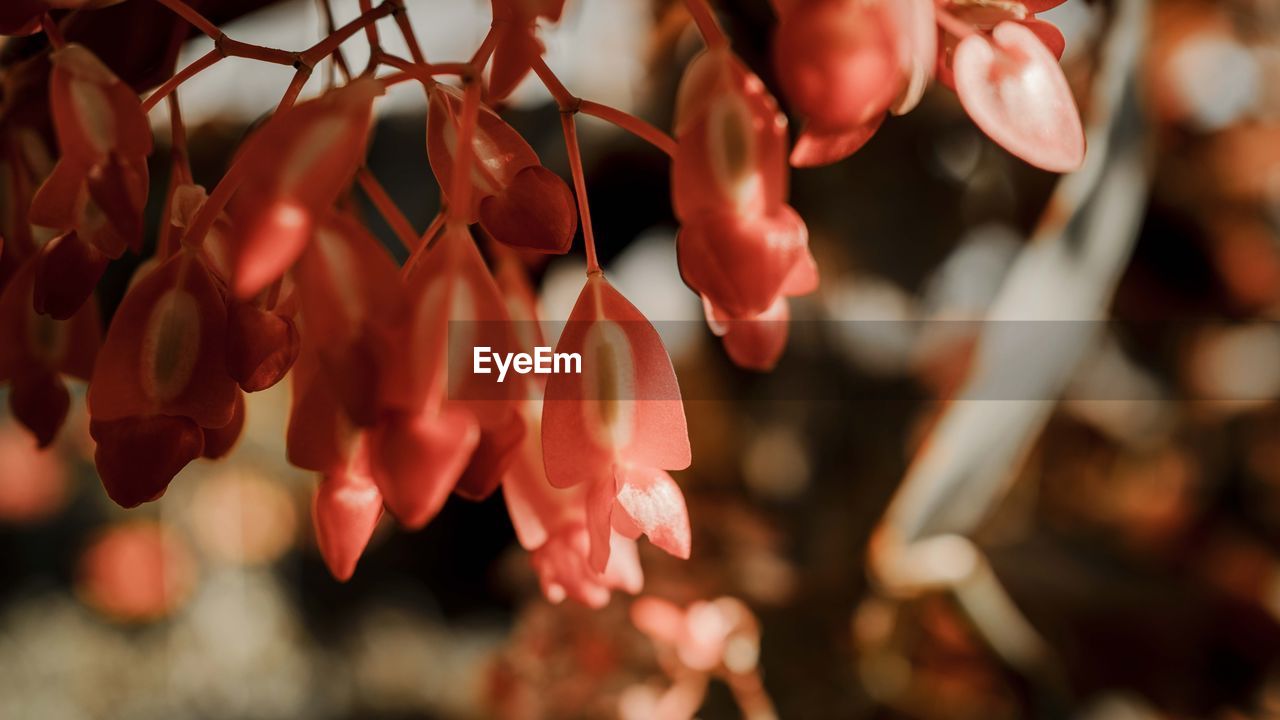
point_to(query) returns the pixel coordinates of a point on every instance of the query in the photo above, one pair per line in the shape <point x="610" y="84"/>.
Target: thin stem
<point x="178" y="141"/>
<point x="200" y="22"/>
<point x="707" y="24"/>
<point x="631" y="124"/>
<point x="337" y="61"/>
<point x="401" y="17"/>
<point x="204" y="62"/>
<point x="952" y="24"/>
<point x="482" y="54"/>
<point x="564" y="99"/>
<point x="460" y="183"/>
<point x="320" y="50"/>
<point x="567" y="122"/>
<point x="216" y="202"/>
<point x="295" y="87"/>
<point x="53" y="32"/>
<point x="180" y="175"/>
<point x="387" y="208"/>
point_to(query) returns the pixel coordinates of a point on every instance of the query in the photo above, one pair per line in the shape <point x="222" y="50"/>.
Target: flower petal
<point x="625" y="405"/>
<point x="67" y="271"/>
<point x="1014" y="89"/>
<point x="345" y="511"/>
<point x="165" y="350"/>
<point x="137" y="457"/>
<point x="417" y="460"/>
<point x="261" y="345"/>
<point x="535" y="212"/>
<point x="653" y="503"/>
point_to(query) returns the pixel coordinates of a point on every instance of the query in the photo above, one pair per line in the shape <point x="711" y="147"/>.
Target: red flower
<point x="160" y="379"/>
<point x="1012" y="86"/>
<point x="99" y="186"/>
<point x="345" y="511"/>
<point x="618" y="425"/>
<point x="36" y="350"/>
<point x="550" y="522"/>
<point x="740" y="244"/>
<point x="296" y="166"/>
<point x="347" y="505"/>
<point x="518" y="201"/>
<point x="845" y="63"/>
<point x="353" y="308"/>
<point x="449" y="424"/>
<point x="515" y="22"/>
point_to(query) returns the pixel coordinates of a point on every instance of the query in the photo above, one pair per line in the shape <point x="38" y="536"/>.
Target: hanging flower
<point x="454" y="430"/>
<point x="160" y="379"/>
<point x="296" y="166"/>
<point x="550" y="522"/>
<point x="513" y="197"/>
<point x="844" y="64"/>
<point x="1012" y="86"/>
<point x="618" y="426"/>
<point x="740" y="244"/>
<point x="352" y="302"/>
<point x="517" y="43"/>
<point x="99" y="186"/>
<point x="347" y="504"/>
<point x="36" y="351"/>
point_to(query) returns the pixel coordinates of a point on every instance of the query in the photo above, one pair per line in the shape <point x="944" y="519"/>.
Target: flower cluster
<point x="272" y="274"/>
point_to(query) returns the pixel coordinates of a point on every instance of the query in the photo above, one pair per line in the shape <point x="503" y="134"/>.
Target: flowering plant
<point x="270" y="274"/>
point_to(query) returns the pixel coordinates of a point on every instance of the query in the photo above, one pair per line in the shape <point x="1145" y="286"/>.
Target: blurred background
<point x="1138" y="532"/>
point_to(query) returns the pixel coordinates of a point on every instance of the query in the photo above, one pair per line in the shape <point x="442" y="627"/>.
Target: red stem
<point x="387" y="208"/>
<point x="53" y="32"/>
<point x="204" y="62"/>
<point x="460" y="183"/>
<point x="580" y="188"/>
<point x="631" y="124"/>
<point x="186" y="12"/>
<point x="707" y="24"/>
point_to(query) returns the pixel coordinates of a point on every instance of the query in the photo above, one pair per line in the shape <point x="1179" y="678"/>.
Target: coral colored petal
<point x="803" y="278"/>
<point x="299" y="162"/>
<point x="417" y="461"/>
<point x="320" y="435"/>
<point x="137" y="457"/>
<point x="838" y="61"/>
<point x="918" y="47"/>
<point x="600" y="504"/>
<point x="512" y="58"/>
<point x="59" y="202"/>
<point x="345" y="511"/>
<point x="654" y="504"/>
<point x="67" y="271"/>
<point x="818" y="147"/>
<point x="494" y="453"/>
<point x="352" y="303"/>
<point x="1014" y="89"/>
<point x="757" y="343"/>
<point x="165" y="350"/>
<point x="40" y="401"/>
<point x="731" y="141"/>
<point x="261" y="346"/>
<point x="118" y="189"/>
<point x="500" y="151"/>
<point x="741" y="263"/>
<point x="219" y="441"/>
<point x="625" y="405"/>
<point x="535" y="212"/>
